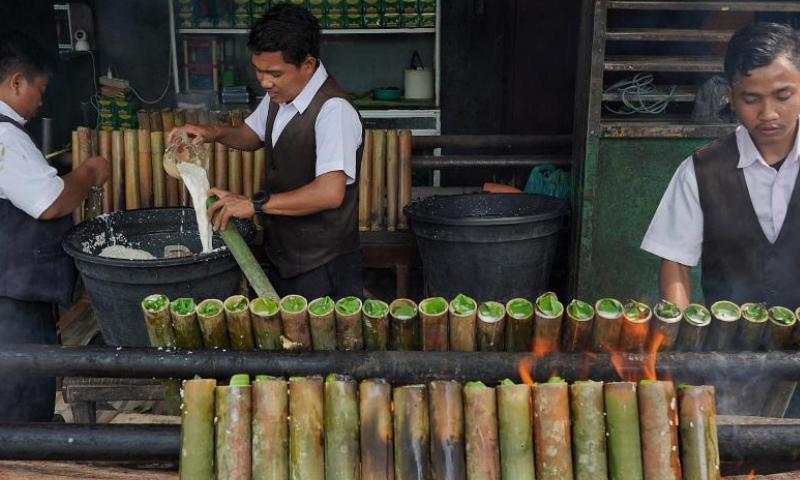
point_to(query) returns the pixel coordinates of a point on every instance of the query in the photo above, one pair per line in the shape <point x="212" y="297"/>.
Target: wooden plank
<point x="707" y="6"/>
<point x="683" y="93"/>
<point x="631" y="63"/>
<point x="668" y="35"/>
<point x="71" y="471"/>
<point x="662" y="129"/>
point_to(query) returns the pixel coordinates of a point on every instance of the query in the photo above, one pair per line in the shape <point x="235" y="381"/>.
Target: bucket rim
<point x="561" y="211"/>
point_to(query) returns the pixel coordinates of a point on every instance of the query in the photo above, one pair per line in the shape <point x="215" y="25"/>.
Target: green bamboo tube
<point x="132" y="193"/>
<point x="551" y="433"/>
<point x="365" y="182"/>
<point x="104" y="140"/>
<point x="778" y="333"/>
<point x="247" y="174"/>
<point x="433" y="324"/>
<point x="145" y="169"/>
<point x="664" y="327"/>
<point x="155" y="121"/>
<point x="158" y="321"/>
<point x="235" y="170"/>
<point x="375" y="325"/>
<point x="294" y="320"/>
<point x="519" y="325"/>
<point x="349" y="329"/>
<point x="480" y="431"/>
<point x="211" y="317"/>
<point x="588" y="431"/>
<point x="266" y="319"/>
<point x="694" y="328"/>
<point x="377" y="192"/>
<point x="796" y="331"/>
<point x="447" y="431"/>
<point x="622" y="425"/>
<point x="607" y="325"/>
<point x="322" y="324"/>
<point x="184" y="320"/>
<point x="658" y="420"/>
<point x="197" y="430"/>
<point x="306" y="438"/>
<point x="167" y="120"/>
<point x="724" y="324"/>
<point x="404" y="324"/>
<point x="392" y="154"/>
<point x="259" y="169"/>
<point x="411" y="433"/>
<point x="491" y="327"/>
<point x="159" y="179"/>
<point x="635" y="322"/>
<point x="270" y="428"/>
<point x="375" y="413"/>
<point x="208" y="162"/>
<point x="237" y="318"/>
<point x="698" y="433"/>
<point x="515" y="427"/>
<point x="547" y="323"/>
<point x="179" y="117"/>
<point x="752" y="326"/>
<point x="221" y="166"/>
<point x="404" y="174"/>
<point x="118" y="170"/>
<point x="342" y="455"/>
<point x="234" y="430"/>
<point x="463" y="318"/>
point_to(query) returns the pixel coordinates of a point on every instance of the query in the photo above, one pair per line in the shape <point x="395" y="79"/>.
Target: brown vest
<point x="739" y="263"/>
<point x="298" y="244"/>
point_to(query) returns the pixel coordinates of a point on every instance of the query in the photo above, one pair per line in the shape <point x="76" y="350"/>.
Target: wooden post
<point x="404" y="193"/>
<point x="118" y="170"/>
<point x="378" y="179"/>
<point x="132" y="199"/>
<point x="364" y="182"/>
<point x="159" y="184"/>
<point x="104" y="137"/>
<point x="391" y="180"/>
<point x="145" y="170"/>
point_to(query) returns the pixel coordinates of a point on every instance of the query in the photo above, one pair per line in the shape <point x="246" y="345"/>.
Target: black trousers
<point x="24" y="398"/>
<point x="341" y="277"/>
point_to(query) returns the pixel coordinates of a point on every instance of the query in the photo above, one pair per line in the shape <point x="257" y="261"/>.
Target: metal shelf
<point x="668" y="35"/>
<point x="683" y="93"/>
<point x="705" y="6"/>
<point x="663" y="64"/>
<point x="327" y="31"/>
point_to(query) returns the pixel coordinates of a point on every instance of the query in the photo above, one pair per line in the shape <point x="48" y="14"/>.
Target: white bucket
<point x="418" y="84"/>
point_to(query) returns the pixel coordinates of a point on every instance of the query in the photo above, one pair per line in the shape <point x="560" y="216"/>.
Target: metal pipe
<point x="491" y="141"/>
<point x="47" y="135"/>
<point x="446" y="162"/>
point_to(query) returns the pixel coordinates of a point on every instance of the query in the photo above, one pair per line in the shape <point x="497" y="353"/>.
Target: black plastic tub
<point x="116" y="286"/>
<point x="488" y="246"/>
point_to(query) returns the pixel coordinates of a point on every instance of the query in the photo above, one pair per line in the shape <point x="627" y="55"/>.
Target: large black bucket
<point x="117" y="287"/>
<point x="488" y="246"/>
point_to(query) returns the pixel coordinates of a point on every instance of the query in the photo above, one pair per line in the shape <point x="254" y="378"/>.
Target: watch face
<point x="259" y="196"/>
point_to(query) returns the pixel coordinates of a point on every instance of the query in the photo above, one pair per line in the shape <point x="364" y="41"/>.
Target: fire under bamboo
<point x="447" y="431"/>
<point x="622" y="424"/>
<point x="364" y="183"/>
<point x="306" y="437"/>
<point x="519" y="325"/>
<point x="377" y="436"/>
<point x="515" y="429"/>
<point x="480" y="431"/>
<point x="411" y="433"/>
<point x="658" y="420"/>
<point x="635" y="322"/>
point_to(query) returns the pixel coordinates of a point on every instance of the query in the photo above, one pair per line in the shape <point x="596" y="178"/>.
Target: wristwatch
<point x="260" y="198"/>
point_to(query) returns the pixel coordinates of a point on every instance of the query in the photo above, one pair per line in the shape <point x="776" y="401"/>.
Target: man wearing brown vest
<point x="313" y="138"/>
<point x="734" y="203"/>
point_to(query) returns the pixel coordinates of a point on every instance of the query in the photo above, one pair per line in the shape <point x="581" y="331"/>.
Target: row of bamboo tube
<point x="384" y="183"/>
<point x="314" y="429"/>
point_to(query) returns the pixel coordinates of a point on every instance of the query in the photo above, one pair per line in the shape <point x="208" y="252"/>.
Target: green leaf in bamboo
<point x="184" y="321"/>
<point x="375" y="412"/>
<point x="433" y="324"/>
<point x="724" y="325"/>
<point x="411" y="433"/>
<point x="322" y="323"/>
<point x="321" y="306"/>
<point x="233" y="437"/>
<point x="577" y="336"/>
<point x="404" y="325"/>
<point x="548" y="305"/>
<point x="348" y="305"/>
<point x="622" y="425"/>
<point x="519" y="325"/>
<point x="694" y="328"/>
<point x="491" y="327"/>
<point x="211" y="319"/>
<point x="183" y="306"/>
<point x="349" y="324"/>
<point x="588" y="431"/>
<point x="751" y="329"/>
<point x="265" y="306"/>
<point x="447" y="430"/>
<point x="375" y="308"/>
<point x="664" y="329"/>
<point x="342" y="455"/>
<point x="306" y="439"/>
<point x="155" y="303"/>
<point x="197" y="430"/>
<point x="551" y="431"/>
<point x="433" y="306"/>
<point x="607" y="325"/>
<point x="778" y="333"/>
<point x="480" y="431"/>
<point x="266" y="322"/>
<point x="240" y="327"/>
<point x="463" y="315"/>
<point x="270" y="428"/>
<point x="463" y="305"/>
<point x="158" y="321"/>
<point x="658" y="420"/>
<point x="293" y="303"/>
<point x="547" y="324"/>
<point x="635" y="325"/>
<point x="375" y="325"/>
<point x="698" y="433"/>
<point x="515" y="427"/>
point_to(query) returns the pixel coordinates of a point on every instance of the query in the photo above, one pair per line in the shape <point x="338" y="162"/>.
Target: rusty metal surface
<point x="665" y="129"/>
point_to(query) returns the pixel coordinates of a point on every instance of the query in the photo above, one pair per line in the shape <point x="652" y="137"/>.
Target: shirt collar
<point x="9" y="112"/>
<point x="749" y="154"/>
<point x="303" y="99"/>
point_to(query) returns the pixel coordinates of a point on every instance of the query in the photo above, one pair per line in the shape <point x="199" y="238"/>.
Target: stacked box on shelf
<point x="242" y="15"/>
<point x="353" y="17"/>
<point x="186" y="13"/>
<point x="372" y="15"/>
<point x="317" y="8"/>
<point x="334" y="14"/>
<point x="258" y="8"/>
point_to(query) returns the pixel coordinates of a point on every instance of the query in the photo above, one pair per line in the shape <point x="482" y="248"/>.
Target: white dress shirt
<point x="337" y="129"/>
<point x="676" y="231"/>
<point x="26" y="179"/>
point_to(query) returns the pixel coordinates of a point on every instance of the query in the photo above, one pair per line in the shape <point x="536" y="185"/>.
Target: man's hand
<point x="229" y="205"/>
<point x="199" y="134"/>
<point x="99" y="169"/>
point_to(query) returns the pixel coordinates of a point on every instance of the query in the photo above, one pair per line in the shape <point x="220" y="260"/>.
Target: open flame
<point x="635" y="367"/>
<point x="751" y="475"/>
<point x="527" y="365"/>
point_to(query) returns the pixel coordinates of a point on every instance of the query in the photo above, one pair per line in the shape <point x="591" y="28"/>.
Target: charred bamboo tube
<point x="411" y="433"/>
<point x="145" y="169"/>
<point x="463" y="315"/>
<point x="155" y="121"/>
<point x="197" y="430"/>
<point x="391" y="180"/>
<point x="547" y="323"/>
<point x="778" y="333"/>
<point x="698" y="433"/>
<point x="259" y="169"/>
<point x="480" y="431"/>
<point x="725" y="322"/>
<point x="158" y="321"/>
<point x="235" y="170"/>
<point x="588" y="431"/>
<point x="247" y="174"/>
<point x="607" y="325"/>
<point x="234" y="430"/>
<point x="208" y="162"/>
<point x="752" y="326"/>
<point x="577" y="335"/>
<point x="447" y="431"/>
<point x="377" y="437"/>
<point x="237" y="318"/>
<point x="433" y="324"/>
<point x="159" y="182"/>
<point x="266" y="320"/>
<point x="167" y="120"/>
<point x="622" y="424"/>
<point x="658" y="420"/>
<point x="664" y="329"/>
<point x="551" y="433"/>
<point x="211" y="317"/>
<point x="322" y="323"/>
<point x="270" y="428"/>
<point x="132" y="193"/>
<point x="184" y="320"/>
<point x="306" y="438"/>
<point x="118" y="169"/>
<point x="349" y="329"/>
<point x="519" y="325"/>
<point x="491" y="327"/>
<point x="694" y="328"/>
<point x="104" y="138"/>
<point x="404" y="325"/>
<point x="515" y="427"/>
<point x="294" y="319"/>
<point x="404" y="174"/>
<point x="221" y="166"/>
<point x="375" y="323"/>
<point x="376" y="219"/>
<point x="635" y="322"/>
<point x="364" y="183"/>
<point x="342" y="455"/>
<point x="77" y="214"/>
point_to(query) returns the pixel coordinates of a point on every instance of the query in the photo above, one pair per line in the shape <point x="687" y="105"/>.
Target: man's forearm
<point x="326" y="192"/>
<point x="240" y="137"/>
<point x="675" y="283"/>
<point x="77" y="185"/>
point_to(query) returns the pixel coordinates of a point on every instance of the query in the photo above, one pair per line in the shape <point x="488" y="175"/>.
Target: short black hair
<point x="759" y="44"/>
<point x="21" y="53"/>
<point x="288" y="29"/>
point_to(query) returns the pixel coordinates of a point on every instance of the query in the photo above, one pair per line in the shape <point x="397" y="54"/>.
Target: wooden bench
<point x="83" y="394"/>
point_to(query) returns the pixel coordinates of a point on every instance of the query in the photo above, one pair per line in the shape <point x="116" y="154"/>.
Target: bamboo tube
<point x="463" y="316"/>
<point x="364" y="183"/>
<point x="159" y="182"/>
<point x="211" y="317"/>
<point x="778" y="333"/>
<point x="158" y="322"/>
<point x="221" y="166"/>
<point x="480" y="431"/>
<point x="411" y="433"/>
<point x="306" y="439"/>
<point x="694" y="328"/>
<point x="234" y="430"/>
<point x="447" y="431"/>
<point x="349" y="330"/>
<point x="404" y="325"/>
<point x="208" y="162"/>
<point x="551" y="434"/>
<point x="155" y="121"/>
<point x="294" y="319"/>
<point x="266" y="319"/>
<point x="184" y="320"/>
<point x="515" y="427"/>
<point x="698" y="433"/>
<point x="588" y="431"/>
<point x="658" y="420"/>
<point x="104" y="137"/>
<point x="237" y="318"/>
<point x="132" y="193"/>
<point x="607" y="325"/>
<point x="376" y="213"/>
<point x="491" y="327"/>
<point x="547" y="323"/>
<point x="173" y="191"/>
<point x="664" y="329"/>
<point x="433" y="324"/>
<point x="118" y="170"/>
<point x="77" y="214"/>
<point x="191" y="116"/>
<point x="247" y="174"/>
<point x="635" y="322"/>
<point x="270" y="428"/>
<point x="259" y="169"/>
<point x="754" y="322"/>
<point x="404" y="174"/>
<point x="725" y="322"/>
<point x="375" y="323"/>
<point x="167" y="120"/>
<point x="143" y="118"/>
<point x="196" y="461"/>
<point x="322" y="323"/>
<point x="179" y="117"/>
<point x="391" y="180"/>
<point x="235" y="170"/>
<point x="145" y="169"/>
<point x="377" y="437"/>
<point x="202" y="116"/>
<point x="342" y="455"/>
<point x="84" y="152"/>
<point x="519" y="325"/>
<point x="577" y="337"/>
<point x="624" y="441"/>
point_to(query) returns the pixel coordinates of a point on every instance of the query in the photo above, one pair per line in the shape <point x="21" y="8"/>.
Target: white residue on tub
<point x="196" y="181"/>
<point x="126" y="253"/>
